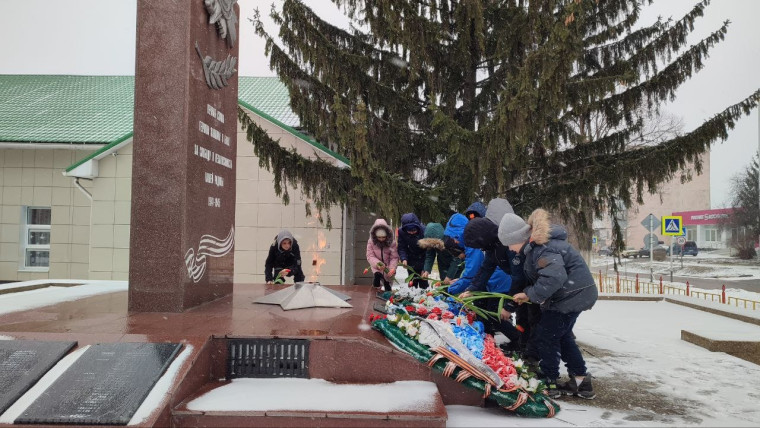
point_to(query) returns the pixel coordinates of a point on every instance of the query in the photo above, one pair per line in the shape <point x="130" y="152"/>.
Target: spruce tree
<point x="438" y="103"/>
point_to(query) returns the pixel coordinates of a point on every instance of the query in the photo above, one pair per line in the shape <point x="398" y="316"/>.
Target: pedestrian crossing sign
<point x="672" y="225"/>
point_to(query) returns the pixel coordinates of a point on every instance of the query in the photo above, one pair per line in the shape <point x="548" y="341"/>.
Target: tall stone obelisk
<point x="183" y="168"/>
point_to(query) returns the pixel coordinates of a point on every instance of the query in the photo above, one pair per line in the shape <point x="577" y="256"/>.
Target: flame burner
<point x="303" y="295"/>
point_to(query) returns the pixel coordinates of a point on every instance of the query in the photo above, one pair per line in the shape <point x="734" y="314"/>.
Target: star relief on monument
<point x="222" y="13"/>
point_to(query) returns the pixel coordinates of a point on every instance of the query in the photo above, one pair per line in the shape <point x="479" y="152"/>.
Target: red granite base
<point x="342" y="350"/>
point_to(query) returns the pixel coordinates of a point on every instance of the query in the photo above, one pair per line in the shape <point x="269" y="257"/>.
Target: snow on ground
<point x="571" y="415"/>
<point x="697" y="267"/>
<point x="34" y="392"/>
<point x="316" y="395"/>
<point x="645" y="375"/>
<point x="20" y="301"/>
<point x="637" y="346"/>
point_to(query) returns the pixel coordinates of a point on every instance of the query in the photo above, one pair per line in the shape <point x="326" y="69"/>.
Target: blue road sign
<point x="671" y="225"/>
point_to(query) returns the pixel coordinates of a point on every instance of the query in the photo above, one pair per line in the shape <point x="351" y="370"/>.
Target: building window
<point x="36" y="239"/>
<point x="691" y="234"/>
<point x="711" y="235"/>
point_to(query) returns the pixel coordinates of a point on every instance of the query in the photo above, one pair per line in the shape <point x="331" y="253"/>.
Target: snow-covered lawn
<point x="638" y="358"/>
<point x="20" y="301"/>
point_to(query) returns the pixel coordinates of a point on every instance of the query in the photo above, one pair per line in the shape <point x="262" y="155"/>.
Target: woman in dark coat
<point x="283" y="254"/>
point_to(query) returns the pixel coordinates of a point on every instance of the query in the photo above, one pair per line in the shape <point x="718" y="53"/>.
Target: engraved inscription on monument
<point x="105" y="386"/>
<point x="23" y="363"/>
<point x="182" y="232"/>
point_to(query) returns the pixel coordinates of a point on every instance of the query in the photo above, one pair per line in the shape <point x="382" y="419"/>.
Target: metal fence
<point x="625" y="285"/>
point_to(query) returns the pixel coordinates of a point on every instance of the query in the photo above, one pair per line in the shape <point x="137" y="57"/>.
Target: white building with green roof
<point x="65" y="186"/>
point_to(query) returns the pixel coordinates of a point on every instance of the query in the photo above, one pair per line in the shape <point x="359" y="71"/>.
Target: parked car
<point x="644" y="252"/>
<point x="605" y="251"/>
<point x="689" y="249"/>
<point x="629" y="252"/>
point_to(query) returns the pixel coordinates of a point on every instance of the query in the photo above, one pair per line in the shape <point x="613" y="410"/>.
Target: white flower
<point x="522" y="383"/>
<point x="532" y="384"/>
<point x="411" y="331"/>
<point x="392" y="318"/>
<point x="518" y="363"/>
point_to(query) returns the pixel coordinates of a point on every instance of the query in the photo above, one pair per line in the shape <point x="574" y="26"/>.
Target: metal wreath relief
<point x="217" y="72"/>
<point x="222" y="13"/>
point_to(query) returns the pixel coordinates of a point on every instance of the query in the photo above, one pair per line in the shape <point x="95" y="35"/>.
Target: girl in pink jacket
<point x="382" y="254"/>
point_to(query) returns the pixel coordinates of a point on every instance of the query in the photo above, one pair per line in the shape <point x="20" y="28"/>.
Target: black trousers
<point x="528" y="317"/>
<point x="419" y="282"/>
<point x="380" y="280"/>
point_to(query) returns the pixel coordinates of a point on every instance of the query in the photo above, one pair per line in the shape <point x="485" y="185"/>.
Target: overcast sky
<point x="97" y="37"/>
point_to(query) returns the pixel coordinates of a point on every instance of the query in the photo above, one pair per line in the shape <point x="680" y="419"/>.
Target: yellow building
<point x="65" y="186"/>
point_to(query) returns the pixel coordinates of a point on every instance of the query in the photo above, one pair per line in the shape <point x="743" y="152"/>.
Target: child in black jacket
<point x="284" y="254"/>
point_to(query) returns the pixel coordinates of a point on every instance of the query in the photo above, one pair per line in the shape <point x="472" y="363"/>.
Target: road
<point x="750" y="284"/>
<point x="706" y="283"/>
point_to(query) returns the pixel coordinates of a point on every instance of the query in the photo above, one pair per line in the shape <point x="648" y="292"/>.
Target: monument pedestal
<point x="183" y="172"/>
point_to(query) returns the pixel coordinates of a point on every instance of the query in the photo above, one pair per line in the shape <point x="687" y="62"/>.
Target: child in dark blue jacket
<point x="409" y="251"/>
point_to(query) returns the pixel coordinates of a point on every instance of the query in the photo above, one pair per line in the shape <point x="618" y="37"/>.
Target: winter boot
<point x="552" y="390"/>
<point x="582" y="390"/>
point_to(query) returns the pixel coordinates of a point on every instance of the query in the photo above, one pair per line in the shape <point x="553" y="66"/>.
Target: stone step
<point x="744" y="346"/>
<point x="311" y="402"/>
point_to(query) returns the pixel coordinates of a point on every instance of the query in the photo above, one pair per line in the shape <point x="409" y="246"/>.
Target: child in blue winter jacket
<point x="498" y="282"/>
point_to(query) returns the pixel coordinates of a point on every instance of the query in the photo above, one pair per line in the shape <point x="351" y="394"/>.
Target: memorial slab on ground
<point x="105" y="386"/>
<point x="23" y="363"/>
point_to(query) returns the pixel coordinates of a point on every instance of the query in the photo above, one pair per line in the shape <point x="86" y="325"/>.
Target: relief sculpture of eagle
<point x="222" y="13"/>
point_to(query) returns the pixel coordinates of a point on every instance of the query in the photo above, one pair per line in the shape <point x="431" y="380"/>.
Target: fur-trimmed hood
<point x="380" y="223"/>
<point x="561" y="279"/>
<point x="433" y="237"/>
<point x="431" y="243"/>
<point x="541" y="227"/>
